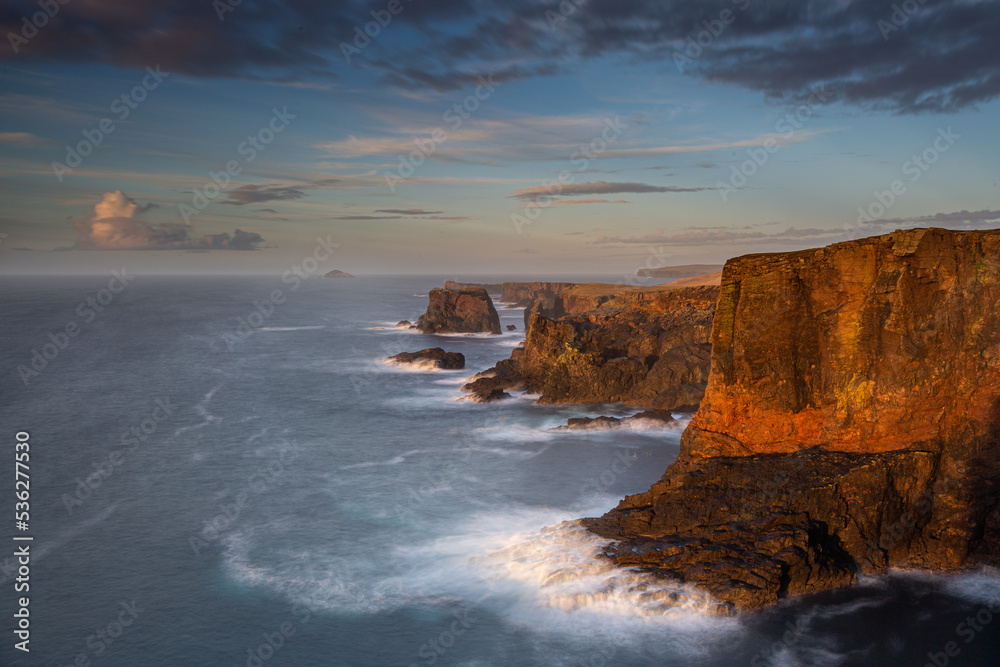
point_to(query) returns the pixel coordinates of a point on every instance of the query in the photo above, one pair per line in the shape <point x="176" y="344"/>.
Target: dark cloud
<point x="593" y="188"/>
<point x="940" y="58"/>
<point x="367" y="217"/>
<point x="967" y="218"/>
<point x="258" y="194"/>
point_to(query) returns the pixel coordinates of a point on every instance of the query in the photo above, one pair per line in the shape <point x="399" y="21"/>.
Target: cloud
<point x="113" y="226"/>
<point x="967" y="218"/>
<point x="559" y="202"/>
<point x="258" y="194"/>
<point x="939" y="58"/>
<point x="593" y="188"/>
<point x="408" y="211"/>
<point x="21" y="138"/>
<point x="367" y="217"/>
<point x="713" y="236"/>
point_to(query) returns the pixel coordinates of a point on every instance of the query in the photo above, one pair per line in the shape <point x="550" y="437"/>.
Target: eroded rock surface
<point x="646" y="348"/>
<point x="851" y="423"/>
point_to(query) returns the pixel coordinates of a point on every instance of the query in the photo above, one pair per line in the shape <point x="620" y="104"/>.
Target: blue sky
<point x="581" y="147"/>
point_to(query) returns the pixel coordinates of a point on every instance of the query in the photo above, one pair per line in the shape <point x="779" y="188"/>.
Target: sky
<point x="472" y="137"/>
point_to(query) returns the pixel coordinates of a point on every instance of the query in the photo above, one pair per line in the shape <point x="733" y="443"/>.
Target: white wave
<point x="420" y="366"/>
<point x="522" y="454"/>
<point x="511" y="563"/>
<point x="477" y="334"/>
<point x="652" y="427"/>
<point x="515" y="433"/>
<point x="511" y="341"/>
<point x="202" y="409"/>
<point x="396" y="460"/>
<point x="981" y="587"/>
<point x="55" y="543"/>
<point x="455" y="380"/>
<point x="303" y="328"/>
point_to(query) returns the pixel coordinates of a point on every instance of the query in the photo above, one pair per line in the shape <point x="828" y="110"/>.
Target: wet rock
<point x="434" y="357"/>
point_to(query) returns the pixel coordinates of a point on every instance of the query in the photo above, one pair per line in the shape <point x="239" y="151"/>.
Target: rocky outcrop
<point x="434" y="357"/>
<point x="459" y="311"/>
<point x="492" y="288"/>
<point x="647" y="348"/>
<point x="404" y="324"/>
<point x="488" y="396"/>
<point x="337" y="274"/>
<point x="645" y="419"/>
<point x="851" y="424"/>
<point x="524" y="294"/>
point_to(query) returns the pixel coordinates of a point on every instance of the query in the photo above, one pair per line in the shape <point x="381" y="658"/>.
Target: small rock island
<point x="468" y="310"/>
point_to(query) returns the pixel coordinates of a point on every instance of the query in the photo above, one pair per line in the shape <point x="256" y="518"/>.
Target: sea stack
<point x="851" y="424"/>
<point x="459" y="311"/>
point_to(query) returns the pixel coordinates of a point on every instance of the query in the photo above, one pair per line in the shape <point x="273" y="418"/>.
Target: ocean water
<point x="287" y="498"/>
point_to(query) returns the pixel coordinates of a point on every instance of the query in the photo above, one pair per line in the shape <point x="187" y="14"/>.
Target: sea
<point x="210" y="486"/>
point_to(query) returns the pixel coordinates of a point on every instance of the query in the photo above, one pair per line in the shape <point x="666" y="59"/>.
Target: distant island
<point x="338" y="274"/>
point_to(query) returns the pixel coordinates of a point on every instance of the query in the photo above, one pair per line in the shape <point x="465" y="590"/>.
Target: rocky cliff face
<point x="524" y="294"/>
<point x="459" y="311"/>
<point x="647" y="348"/>
<point x="851" y="423"/>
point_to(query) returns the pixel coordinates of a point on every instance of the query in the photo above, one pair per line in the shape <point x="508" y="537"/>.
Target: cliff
<point x="524" y="294"/>
<point x="492" y="288"/>
<point x="645" y="347"/>
<point x="459" y="311"/>
<point x="851" y="423"/>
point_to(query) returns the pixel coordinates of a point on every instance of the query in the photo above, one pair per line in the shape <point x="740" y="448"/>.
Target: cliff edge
<point x="851" y="423"/>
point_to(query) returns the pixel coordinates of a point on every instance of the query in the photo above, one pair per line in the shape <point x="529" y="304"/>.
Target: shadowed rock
<point x="434" y="357"/>
<point x="459" y="311"/>
<point x="646" y="347"/>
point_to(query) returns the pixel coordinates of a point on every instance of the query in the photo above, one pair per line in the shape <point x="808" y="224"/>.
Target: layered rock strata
<point x="851" y="424"/>
<point x="644" y="348"/>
